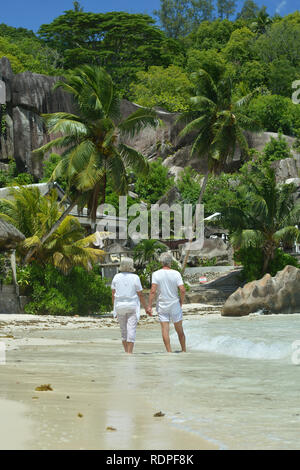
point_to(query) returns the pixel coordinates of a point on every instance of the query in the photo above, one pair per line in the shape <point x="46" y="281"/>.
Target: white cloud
<point x="280" y="6"/>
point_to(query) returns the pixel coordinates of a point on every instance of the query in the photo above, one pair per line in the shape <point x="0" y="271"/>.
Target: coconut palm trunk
<point x="188" y="250"/>
<point x="269" y="251"/>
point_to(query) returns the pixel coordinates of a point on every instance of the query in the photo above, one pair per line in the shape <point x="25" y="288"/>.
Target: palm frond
<point x="197" y="125"/>
<point x="290" y="233"/>
<point x="138" y="121"/>
<point x="67" y="126"/>
<point x="247" y="238"/>
<point x="31" y="241"/>
<point x="58" y="142"/>
<point x="117" y="171"/>
<point x="134" y="159"/>
<point x="247" y="98"/>
<point x="205" y="85"/>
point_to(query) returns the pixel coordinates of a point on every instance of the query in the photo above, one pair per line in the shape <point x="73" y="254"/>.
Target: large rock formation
<point x="10" y="236"/>
<point x="279" y="294"/>
<point x="28" y="95"/>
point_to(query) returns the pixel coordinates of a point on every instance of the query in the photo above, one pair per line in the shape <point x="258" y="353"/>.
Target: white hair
<point x="126" y="265"/>
<point x="166" y="259"/>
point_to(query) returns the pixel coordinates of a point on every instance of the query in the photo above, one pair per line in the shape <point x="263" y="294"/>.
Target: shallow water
<point x="237" y="386"/>
<point x="254" y="337"/>
<point x="248" y="389"/>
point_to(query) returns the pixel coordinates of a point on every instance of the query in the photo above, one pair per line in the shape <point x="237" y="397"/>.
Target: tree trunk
<point x="194" y="222"/>
<point x="269" y="253"/>
<point x="95" y="202"/>
<point x="51" y="231"/>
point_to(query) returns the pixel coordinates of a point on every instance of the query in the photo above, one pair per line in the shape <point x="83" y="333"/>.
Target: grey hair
<point x="166" y="259"/>
<point x="126" y="265"/>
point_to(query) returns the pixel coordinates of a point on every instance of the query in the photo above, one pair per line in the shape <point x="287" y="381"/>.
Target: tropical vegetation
<point x="223" y="72"/>
<point x="268" y="222"/>
<point x="34" y="215"/>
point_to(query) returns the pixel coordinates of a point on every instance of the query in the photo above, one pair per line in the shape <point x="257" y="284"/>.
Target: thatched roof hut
<point x="10" y="236"/>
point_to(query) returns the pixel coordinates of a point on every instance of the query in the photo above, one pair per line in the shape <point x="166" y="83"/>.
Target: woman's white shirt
<point x="126" y="286"/>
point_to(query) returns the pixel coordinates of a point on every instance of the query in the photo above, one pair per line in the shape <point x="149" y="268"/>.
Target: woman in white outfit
<point x="127" y="295"/>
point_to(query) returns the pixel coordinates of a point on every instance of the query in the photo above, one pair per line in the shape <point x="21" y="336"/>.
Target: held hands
<point x="149" y="311"/>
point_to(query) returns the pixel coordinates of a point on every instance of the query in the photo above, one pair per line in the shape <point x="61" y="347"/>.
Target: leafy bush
<point x="152" y="187"/>
<point x="296" y="145"/>
<point x="4" y="179"/>
<point x="52" y="293"/>
<point x="13" y="178"/>
<point x="221" y="192"/>
<point x="169" y="88"/>
<point x="189" y="186"/>
<point x="277" y="149"/>
<point x="252" y="260"/>
<point x="275" y="113"/>
<point x="281" y="260"/>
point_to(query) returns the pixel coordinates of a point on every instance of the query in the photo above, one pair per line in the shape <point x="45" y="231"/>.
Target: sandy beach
<point x="100" y="397"/>
<point x="236" y="388"/>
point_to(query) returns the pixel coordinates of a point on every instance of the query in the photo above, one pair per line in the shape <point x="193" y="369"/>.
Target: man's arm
<point x="152" y="297"/>
<point x="181" y="294"/>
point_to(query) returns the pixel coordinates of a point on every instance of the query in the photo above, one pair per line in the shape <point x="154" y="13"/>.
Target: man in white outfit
<point x="169" y="285"/>
<point x="127" y="294"/>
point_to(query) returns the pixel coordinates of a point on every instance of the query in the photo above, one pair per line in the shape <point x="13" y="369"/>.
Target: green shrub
<point x="13" y="178"/>
<point x="275" y="113"/>
<point x="277" y="149"/>
<point x="252" y="260"/>
<point x="52" y="293"/>
<point x="152" y="187"/>
<point x="189" y="186"/>
<point x="281" y="260"/>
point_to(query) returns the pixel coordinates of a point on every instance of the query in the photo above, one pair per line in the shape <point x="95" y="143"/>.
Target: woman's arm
<point x="113" y="293"/>
<point x="142" y="300"/>
<point x="151" y="297"/>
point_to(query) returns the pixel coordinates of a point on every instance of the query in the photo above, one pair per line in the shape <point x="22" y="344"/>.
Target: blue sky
<point x="32" y="13"/>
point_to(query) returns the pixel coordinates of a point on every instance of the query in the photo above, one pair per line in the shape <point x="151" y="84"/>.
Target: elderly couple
<point x="127" y="295"/>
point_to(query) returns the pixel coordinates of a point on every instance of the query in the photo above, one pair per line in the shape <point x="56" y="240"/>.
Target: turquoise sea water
<point x="247" y="393"/>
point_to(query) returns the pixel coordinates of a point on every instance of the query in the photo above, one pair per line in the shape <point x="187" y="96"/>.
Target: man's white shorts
<point x="173" y="313"/>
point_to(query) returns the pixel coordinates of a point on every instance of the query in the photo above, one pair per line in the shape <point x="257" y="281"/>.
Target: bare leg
<point x="181" y="336"/>
<point x="165" y="328"/>
<point x="129" y="347"/>
<point x="125" y="345"/>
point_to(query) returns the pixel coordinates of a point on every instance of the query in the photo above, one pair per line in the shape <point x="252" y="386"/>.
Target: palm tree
<point x="148" y="250"/>
<point x="270" y="217"/>
<point x="216" y="123"/>
<point x="262" y="21"/>
<point x="35" y="214"/>
<point x="91" y="140"/>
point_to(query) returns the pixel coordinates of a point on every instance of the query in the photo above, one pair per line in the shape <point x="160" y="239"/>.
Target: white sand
<point x="95" y="387"/>
<point x="15" y="426"/>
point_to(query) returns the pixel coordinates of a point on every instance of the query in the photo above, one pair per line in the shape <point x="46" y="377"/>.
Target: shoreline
<point x="97" y="400"/>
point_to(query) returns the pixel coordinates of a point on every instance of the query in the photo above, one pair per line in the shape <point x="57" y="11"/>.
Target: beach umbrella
<point x="10" y="236"/>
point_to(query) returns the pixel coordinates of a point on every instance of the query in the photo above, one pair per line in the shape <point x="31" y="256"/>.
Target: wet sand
<point x="101" y="397"/>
